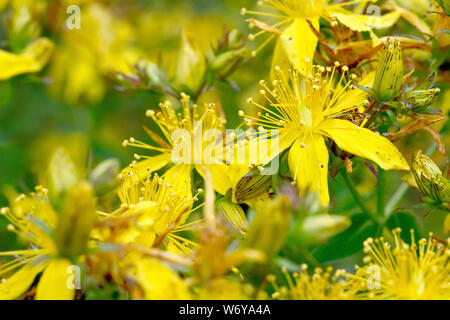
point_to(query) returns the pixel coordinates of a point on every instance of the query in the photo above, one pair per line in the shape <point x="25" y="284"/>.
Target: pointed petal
<point x="278" y="144"/>
<point x="308" y="163"/>
<point x="279" y="59"/>
<point x="351" y="99"/>
<point x="147" y="166"/>
<point x="20" y="281"/>
<point x="179" y="177"/>
<point x="219" y="173"/>
<point x="55" y="281"/>
<point x="364" y="143"/>
<point x="359" y="22"/>
<point x="299" y="42"/>
<point x="154" y="280"/>
<point x="32" y="59"/>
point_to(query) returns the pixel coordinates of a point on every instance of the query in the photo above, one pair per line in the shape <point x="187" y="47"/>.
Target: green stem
<point x="359" y="200"/>
<point x="398" y="195"/>
<point x="380" y="192"/>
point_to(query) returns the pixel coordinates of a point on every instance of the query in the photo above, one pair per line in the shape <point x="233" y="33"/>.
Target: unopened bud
<point x="104" y="176"/>
<point x="447" y="225"/>
<point x="151" y="72"/>
<point x="227" y="60"/>
<point x="324" y="226"/>
<point x="233" y="213"/>
<point x="445" y="5"/>
<point x="75" y="220"/>
<point x="235" y="39"/>
<point x="389" y="73"/>
<point x="429" y="178"/>
<point x="191" y="64"/>
<point x="269" y="228"/>
<point x="421" y="99"/>
<point x="251" y="186"/>
<point x="62" y="174"/>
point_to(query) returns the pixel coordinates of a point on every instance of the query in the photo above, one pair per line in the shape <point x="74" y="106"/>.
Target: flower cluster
<point x="264" y="169"/>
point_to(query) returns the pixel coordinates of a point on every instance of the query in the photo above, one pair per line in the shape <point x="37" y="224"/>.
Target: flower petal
<point x="179" y="177"/>
<point x="364" y="143"/>
<point x="20" y="281"/>
<point x="308" y="163"/>
<point x="278" y="143"/>
<point x="351" y="99"/>
<point x="359" y="22"/>
<point x="220" y="177"/>
<point x="299" y="42"/>
<point x="54" y="283"/>
<point x="152" y="280"/>
<point x="279" y="59"/>
<point x="147" y="166"/>
<point x="32" y="59"/>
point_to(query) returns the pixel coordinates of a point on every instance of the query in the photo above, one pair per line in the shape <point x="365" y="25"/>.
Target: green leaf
<point x="348" y="242"/>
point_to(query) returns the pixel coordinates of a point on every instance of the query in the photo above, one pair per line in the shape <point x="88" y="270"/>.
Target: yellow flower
<point x="99" y="49"/>
<point x="406" y="271"/>
<point x="191" y="64"/>
<point x="224" y="289"/>
<point x="291" y="20"/>
<point x="148" y="278"/>
<point x="152" y="213"/>
<point x="186" y="145"/>
<point x="31" y="60"/>
<point x="34" y="220"/>
<point x="306" y="111"/>
<point x="322" y="285"/>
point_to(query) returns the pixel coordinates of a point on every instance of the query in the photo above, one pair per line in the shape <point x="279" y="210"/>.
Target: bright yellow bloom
<point x="224" y="289"/>
<point x="306" y="111"/>
<point x="186" y="144"/>
<point x="407" y="271"/>
<point x="148" y="278"/>
<point x="322" y="285"/>
<point x="289" y="21"/>
<point x="101" y="47"/>
<point x="152" y="213"/>
<point x="31" y="60"/>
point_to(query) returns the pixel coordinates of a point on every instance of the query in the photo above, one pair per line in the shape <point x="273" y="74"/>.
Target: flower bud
<point x="429" y="178"/>
<point x="224" y="62"/>
<point x="421" y="99"/>
<point x="235" y="39"/>
<point x="75" y="220"/>
<point x="423" y="170"/>
<point x="151" y="72"/>
<point x="191" y="64"/>
<point x="233" y="213"/>
<point x="251" y="186"/>
<point x="269" y="228"/>
<point x="103" y="177"/>
<point x="62" y="175"/>
<point x="447" y="225"/>
<point x="324" y="226"/>
<point x="389" y="73"/>
<point x="445" y="5"/>
<point x="440" y="188"/>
